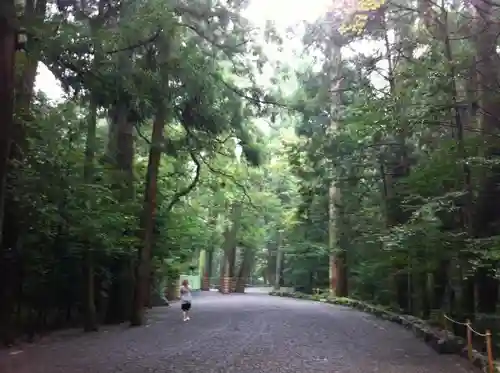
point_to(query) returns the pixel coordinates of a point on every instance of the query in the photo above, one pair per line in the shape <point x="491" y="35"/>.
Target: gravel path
<point x="243" y="334"/>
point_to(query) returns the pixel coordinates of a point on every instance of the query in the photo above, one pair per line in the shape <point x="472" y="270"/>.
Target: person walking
<point x="186" y="298"/>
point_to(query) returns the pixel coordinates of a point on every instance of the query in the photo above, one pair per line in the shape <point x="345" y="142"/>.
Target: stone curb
<point x="443" y="342"/>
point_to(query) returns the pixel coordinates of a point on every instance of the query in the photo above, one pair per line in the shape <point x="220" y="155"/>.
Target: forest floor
<point x="248" y="333"/>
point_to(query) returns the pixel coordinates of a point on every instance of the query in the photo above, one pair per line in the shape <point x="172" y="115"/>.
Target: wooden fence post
<point x="489" y="349"/>
<point x="469" y="340"/>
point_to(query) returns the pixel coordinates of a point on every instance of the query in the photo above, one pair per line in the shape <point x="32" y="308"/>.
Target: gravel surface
<point x="247" y="333"/>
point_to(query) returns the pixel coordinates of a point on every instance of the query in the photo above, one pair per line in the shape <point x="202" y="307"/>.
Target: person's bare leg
<point x="184" y="315"/>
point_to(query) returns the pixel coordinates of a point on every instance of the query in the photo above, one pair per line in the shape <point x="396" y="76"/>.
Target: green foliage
<point x="414" y="210"/>
<point x="389" y="150"/>
<point x="78" y="202"/>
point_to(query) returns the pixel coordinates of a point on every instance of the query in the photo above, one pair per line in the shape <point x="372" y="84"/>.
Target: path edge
<point x="442" y="341"/>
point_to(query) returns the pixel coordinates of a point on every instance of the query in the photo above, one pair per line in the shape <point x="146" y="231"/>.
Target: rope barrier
<point x="454" y="321"/>
<point x="476" y="332"/>
<point x="470" y="330"/>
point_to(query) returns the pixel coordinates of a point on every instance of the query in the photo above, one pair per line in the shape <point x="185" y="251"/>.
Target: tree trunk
<point x="90" y="315"/>
<point x="121" y="148"/>
<point x="487" y="291"/>
<point x="400" y="166"/>
<point x="245" y="269"/>
<point x="7" y="82"/>
<point x="12" y="141"/>
<point x="486" y="29"/>
<point x="148" y="219"/>
<point x="207" y="270"/>
<point x="337" y="263"/>
<point x="440" y="281"/>
<point x="121" y="291"/>
<point x="279" y="254"/>
<point x="223" y="263"/>
<point x="124" y="152"/>
<point x="271" y="262"/>
<point x="90" y="312"/>
<point x="25" y="83"/>
<point x="230" y="242"/>
<point x="425" y="304"/>
<point x="233" y="241"/>
<point x="121" y="153"/>
<point x="209" y="259"/>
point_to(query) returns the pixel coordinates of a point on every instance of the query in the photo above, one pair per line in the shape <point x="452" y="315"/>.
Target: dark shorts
<point x="186" y="306"/>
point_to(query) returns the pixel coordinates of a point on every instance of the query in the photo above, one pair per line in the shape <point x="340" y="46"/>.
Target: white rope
<point x="456" y="322"/>
<point x="468" y="325"/>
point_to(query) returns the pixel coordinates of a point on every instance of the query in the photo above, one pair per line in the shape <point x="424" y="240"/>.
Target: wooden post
<point x="232" y="284"/>
<point x="489" y="349"/>
<point x="469" y="340"/>
<point x="445" y="322"/>
<point x="205" y="285"/>
<point x="227" y="285"/>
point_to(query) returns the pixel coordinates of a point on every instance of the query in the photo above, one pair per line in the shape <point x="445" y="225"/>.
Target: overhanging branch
<point x="233" y="180"/>
<point x="219" y="172"/>
<point x="136" y="45"/>
<point x="184" y="192"/>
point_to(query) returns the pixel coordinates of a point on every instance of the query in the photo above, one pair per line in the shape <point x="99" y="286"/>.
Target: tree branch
<point x="213" y="41"/>
<point x="136" y="45"/>
<point x="240" y="93"/>
<point x="233" y="180"/>
<point x="184" y="192"/>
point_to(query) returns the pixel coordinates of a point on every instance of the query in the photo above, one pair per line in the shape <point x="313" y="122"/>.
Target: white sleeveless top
<point x="186" y="296"/>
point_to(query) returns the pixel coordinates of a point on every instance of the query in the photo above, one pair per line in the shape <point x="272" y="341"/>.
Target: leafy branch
<point x="184" y="192"/>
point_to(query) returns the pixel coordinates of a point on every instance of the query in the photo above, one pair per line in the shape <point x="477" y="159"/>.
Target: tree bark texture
<point x="148" y="219"/>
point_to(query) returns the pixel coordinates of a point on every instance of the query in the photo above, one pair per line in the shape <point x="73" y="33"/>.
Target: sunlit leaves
<point x="358" y="13"/>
